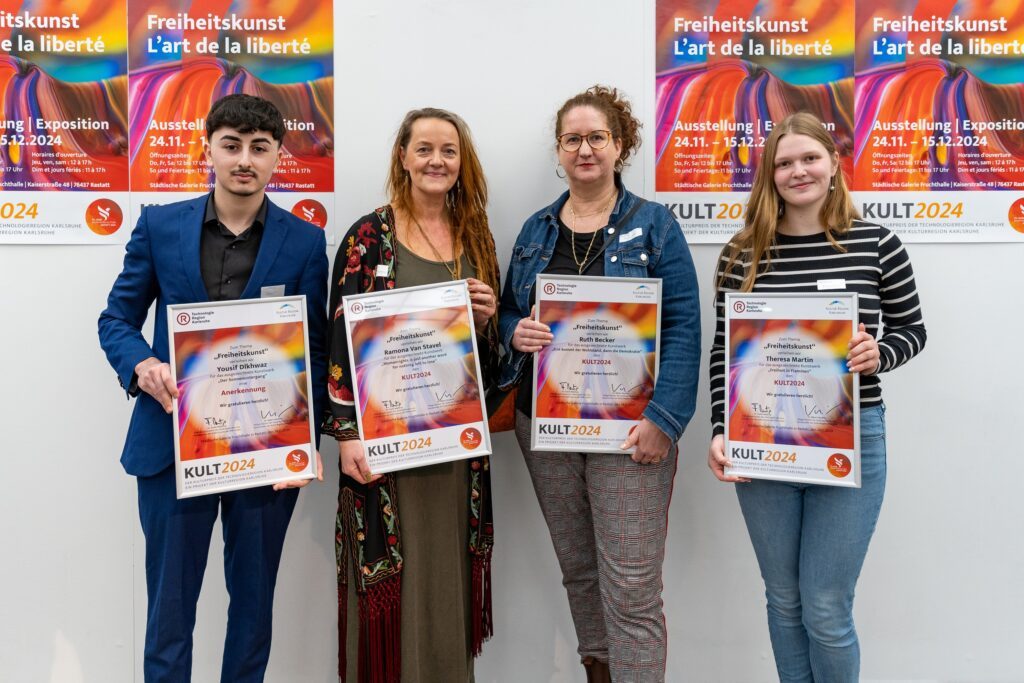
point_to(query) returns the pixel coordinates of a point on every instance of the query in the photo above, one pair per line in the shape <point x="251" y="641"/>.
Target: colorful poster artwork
<point x="924" y="100"/>
<point x="242" y="416"/>
<point x="725" y="73"/>
<point x="940" y="118"/>
<point x="63" y="79"/>
<point x="793" y="408"/>
<point x="595" y="379"/>
<point x="185" y="55"/>
<point x="418" y="392"/>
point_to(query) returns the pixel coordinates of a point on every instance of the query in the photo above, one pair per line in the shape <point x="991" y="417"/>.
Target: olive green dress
<point x="433" y="511"/>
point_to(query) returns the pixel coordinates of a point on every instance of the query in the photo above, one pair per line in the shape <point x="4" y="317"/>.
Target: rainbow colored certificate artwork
<point x="418" y="391"/>
<point x="792" y="404"/>
<point x="593" y="382"/>
<point x="243" y="414"/>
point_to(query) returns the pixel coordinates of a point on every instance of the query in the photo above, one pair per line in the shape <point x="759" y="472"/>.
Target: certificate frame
<point x="402" y="435"/>
<point x="603" y="423"/>
<point x="792" y="406"/>
<point x="257" y="352"/>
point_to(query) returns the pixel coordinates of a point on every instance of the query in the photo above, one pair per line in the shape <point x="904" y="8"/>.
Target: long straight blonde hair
<point x="765" y="207"/>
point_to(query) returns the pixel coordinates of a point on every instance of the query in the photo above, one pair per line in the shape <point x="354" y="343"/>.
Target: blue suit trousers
<point x="178" y="534"/>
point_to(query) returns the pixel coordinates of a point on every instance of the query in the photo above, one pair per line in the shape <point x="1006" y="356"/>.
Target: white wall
<point x="939" y="598"/>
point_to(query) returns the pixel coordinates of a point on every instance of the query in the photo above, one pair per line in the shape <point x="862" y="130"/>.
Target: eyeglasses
<point x="597" y="139"/>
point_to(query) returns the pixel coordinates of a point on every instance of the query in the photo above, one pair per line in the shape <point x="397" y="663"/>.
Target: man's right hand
<point x="353" y="461"/>
<point x="155" y="380"/>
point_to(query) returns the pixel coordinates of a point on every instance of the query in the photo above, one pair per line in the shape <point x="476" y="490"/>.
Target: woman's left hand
<point x="864" y="356"/>
<point x="651" y="443"/>
<point x="484" y="303"/>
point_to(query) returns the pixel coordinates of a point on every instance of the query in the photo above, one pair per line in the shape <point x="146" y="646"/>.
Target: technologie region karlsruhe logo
<point x="184" y="318"/>
<point x="549" y="288"/>
<point x="739" y="306"/>
<point x="104" y="216"/>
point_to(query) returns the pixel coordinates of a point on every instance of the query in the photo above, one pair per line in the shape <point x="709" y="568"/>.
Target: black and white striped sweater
<point x="875" y="265"/>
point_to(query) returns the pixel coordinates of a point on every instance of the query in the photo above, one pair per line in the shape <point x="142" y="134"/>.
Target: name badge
<point x="627" y="236"/>
<point x="382" y="270"/>
<point x="272" y="290"/>
<point x="839" y="283"/>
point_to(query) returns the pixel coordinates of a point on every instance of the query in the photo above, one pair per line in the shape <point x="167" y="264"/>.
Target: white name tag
<point x="382" y="270"/>
<point x="627" y="236"/>
<point x="839" y="283"/>
<point x="272" y="290"/>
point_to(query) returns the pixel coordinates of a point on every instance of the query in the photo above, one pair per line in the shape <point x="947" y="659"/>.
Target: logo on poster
<point x="184" y="318"/>
<point x="839" y="465"/>
<point x="549" y="288"/>
<point x="311" y="211"/>
<point x="739" y="307"/>
<point x="356" y="307"/>
<point x="104" y="216"/>
<point x="296" y="461"/>
<point x="471" y="438"/>
<point x="1016" y="216"/>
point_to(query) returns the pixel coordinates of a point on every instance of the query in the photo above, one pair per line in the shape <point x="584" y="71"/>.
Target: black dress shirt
<point x="226" y="259"/>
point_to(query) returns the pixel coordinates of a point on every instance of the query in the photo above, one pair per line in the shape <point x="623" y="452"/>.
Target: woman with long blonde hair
<point x="802" y="234"/>
<point x="414" y="547"/>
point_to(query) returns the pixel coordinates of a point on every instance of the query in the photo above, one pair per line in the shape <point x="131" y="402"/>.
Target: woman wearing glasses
<point x="607" y="512"/>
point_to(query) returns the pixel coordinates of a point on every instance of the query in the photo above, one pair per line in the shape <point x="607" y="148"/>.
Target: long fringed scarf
<point x="368" y="538"/>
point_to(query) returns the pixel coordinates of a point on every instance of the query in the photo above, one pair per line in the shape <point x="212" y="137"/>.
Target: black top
<point x="563" y="263"/>
<point x="226" y="259"/>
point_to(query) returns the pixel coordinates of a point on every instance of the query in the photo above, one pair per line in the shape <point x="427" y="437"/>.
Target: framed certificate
<point x="242" y="417"/>
<point x="418" y="392"/>
<point x="792" y="406"/>
<point x="593" y="382"/>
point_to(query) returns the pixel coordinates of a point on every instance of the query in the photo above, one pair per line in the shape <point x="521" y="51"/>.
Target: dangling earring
<point x="619" y="165"/>
<point x="782" y="208"/>
<point x="832" y="187"/>
<point x="452" y="196"/>
<point x="562" y="174"/>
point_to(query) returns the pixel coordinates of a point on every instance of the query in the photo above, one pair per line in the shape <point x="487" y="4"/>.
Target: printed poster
<point x="63" y="130"/>
<point x="185" y="55"/>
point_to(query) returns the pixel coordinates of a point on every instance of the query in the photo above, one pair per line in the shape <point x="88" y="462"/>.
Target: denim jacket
<point x="658" y="250"/>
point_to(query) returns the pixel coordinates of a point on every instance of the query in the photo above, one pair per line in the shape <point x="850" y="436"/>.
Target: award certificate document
<point x="593" y="382"/>
<point x="417" y="384"/>
<point x="242" y="417"/>
<point x="792" y="406"/>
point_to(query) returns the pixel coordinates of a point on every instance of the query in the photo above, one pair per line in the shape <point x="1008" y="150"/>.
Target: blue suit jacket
<point x="161" y="262"/>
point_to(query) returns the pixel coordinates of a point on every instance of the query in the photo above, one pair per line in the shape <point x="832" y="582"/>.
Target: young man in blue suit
<point x="230" y="244"/>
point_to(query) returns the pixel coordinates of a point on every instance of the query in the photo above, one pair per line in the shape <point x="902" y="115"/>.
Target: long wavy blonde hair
<point x="466" y="201"/>
<point x="765" y="208"/>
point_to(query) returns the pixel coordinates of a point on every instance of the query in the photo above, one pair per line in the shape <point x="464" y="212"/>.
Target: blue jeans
<point x="810" y="543"/>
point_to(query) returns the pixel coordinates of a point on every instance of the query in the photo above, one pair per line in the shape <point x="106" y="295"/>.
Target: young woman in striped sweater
<point x="802" y="234"/>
